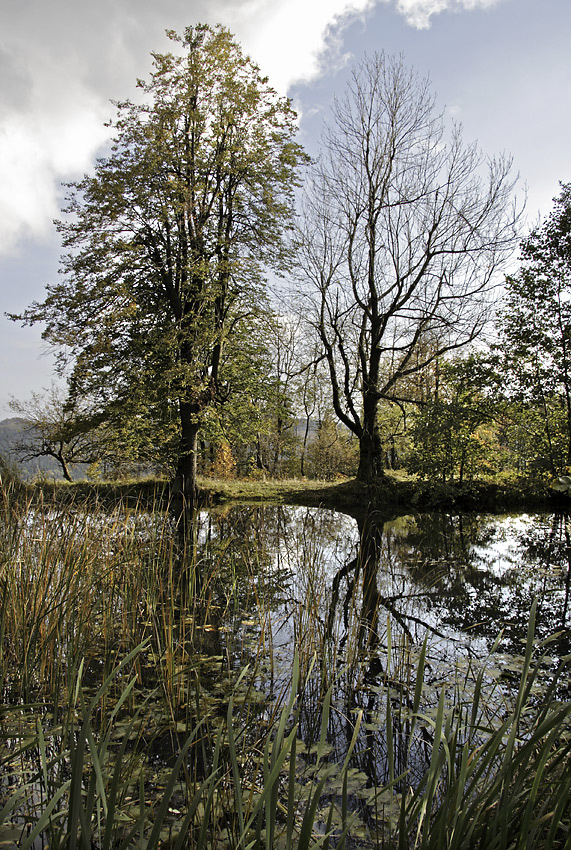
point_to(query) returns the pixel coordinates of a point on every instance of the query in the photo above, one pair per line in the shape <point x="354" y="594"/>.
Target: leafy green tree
<point x="312" y="398"/>
<point x="270" y="421"/>
<point x="277" y="439"/>
<point x="405" y="229"/>
<point x="255" y="414"/>
<point x="333" y="451"/>
<point x="454" y="432"/>
<point x="536" y="334"/>
<point x="168" y="239"/>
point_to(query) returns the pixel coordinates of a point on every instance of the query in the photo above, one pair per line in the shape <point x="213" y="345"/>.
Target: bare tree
<point x="58" y="429"/>
<point x="404" y="229"/>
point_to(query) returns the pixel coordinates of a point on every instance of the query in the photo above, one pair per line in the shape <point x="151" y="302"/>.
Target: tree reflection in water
<point x="357" y="598"/>
<point x="459" y="579"/>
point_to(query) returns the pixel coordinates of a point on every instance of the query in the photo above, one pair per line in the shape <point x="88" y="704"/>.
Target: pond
<point x="463" y="581"/>
<point x="382" y="619"/>
<point x="359" y="597"/>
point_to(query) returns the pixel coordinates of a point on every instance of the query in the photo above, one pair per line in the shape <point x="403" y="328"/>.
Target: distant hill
<point x="10" y="431"/>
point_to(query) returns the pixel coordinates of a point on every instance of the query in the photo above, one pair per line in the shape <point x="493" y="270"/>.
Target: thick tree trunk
<point x="64" y="467"/>
<point x="371" y="464"/>
<point x="186" y="473"/>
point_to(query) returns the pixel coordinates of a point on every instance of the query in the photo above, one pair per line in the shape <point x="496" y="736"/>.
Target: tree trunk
<point x="371" y="464"/>
<point x="304" y="445"/>
<point x="186" y="473"/>
<point x="64" y="467"/>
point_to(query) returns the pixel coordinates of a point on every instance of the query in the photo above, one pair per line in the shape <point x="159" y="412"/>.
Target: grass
<point x="127" y="722"/>
<point x="395" y="492"/>
<point x="262" y="490"/>
<point x="504" y="786"/>
<point x="501" y="786"/>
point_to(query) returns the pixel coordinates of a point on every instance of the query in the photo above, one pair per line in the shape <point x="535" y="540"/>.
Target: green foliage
<point x="454" y="433"/>
<point x="448" y="445"/>
<point x="505" y="785"/>
<point x="9" y="477"/>
<point x="257" y="414"/>
<point x="536" y="336"/>
<point x="332" y="452"/>
<point x="167" y="241"/>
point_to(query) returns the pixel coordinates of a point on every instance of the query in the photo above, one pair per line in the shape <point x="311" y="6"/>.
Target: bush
<point x="332" y="453"/>
<point x="9" y="476"/>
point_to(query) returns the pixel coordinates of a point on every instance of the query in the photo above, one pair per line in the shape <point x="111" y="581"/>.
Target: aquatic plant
<point x="502" y="784"/>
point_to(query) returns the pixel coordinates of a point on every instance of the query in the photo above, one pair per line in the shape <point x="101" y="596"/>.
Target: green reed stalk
<point x="502" y="787"/>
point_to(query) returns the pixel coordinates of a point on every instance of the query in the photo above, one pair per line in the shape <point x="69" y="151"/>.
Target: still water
<point x="358" y="599"/>
<point x="461" y="581"/>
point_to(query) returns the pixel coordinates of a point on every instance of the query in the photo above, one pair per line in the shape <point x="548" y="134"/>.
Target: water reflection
<point x="360" y="597"/>
<point x="357" y="598"/>
<point x="248" y="584"/>
<point x="489" y="570"/>
<point x="460" y="579"/>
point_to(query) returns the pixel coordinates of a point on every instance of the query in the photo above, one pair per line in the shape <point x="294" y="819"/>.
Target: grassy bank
<point x="394" y="494"/>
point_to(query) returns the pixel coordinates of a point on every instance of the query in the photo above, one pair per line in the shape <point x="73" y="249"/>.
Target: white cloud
<point x="37" y="151"/>
<point x="290" y="39"/>
<point x="62" y="61"/>
<point x="419" y="12"/>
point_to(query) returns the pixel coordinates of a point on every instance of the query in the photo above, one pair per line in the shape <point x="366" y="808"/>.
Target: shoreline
<point x="390" y="495"/>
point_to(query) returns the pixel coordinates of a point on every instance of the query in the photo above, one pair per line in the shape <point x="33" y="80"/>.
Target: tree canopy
<point x="54" y="429"/>
<point x="167" y="241"/>
<point x="536" y="333"/>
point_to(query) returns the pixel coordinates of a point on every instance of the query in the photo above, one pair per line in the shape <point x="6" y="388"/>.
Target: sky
<point x="502" y="68"/>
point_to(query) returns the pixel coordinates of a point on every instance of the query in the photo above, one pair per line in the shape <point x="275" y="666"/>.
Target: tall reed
<point x="503" y="784"/>
<point x="247" y="798"/>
